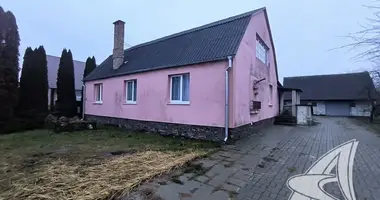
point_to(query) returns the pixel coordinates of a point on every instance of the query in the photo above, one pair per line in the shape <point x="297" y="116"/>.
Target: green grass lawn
<point x="93" y="164"/>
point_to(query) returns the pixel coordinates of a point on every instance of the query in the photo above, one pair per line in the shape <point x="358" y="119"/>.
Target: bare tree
<point x="372" y="98"/>
<point x="368" y="40"/>
<point x="375" y="75"/>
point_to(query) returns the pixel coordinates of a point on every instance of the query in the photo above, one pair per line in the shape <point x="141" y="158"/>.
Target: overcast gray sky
<point x="304" y="30"/>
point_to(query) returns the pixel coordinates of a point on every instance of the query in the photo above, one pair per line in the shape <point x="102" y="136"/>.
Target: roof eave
<point x="155" y="69"/>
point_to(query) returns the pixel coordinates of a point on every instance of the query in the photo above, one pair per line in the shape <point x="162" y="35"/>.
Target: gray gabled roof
<point x="349" y="86"/>
<point x="53" y="64"/>
<point x="211" y="42"/>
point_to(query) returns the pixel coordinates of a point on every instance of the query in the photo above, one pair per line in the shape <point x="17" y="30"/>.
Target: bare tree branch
<point x="368" y="38"/>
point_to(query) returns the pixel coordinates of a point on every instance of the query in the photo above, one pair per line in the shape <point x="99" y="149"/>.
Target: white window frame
<point x="261" y="46"/>
<point x="133" y="101"/>
<point x="100" y="94"/>
<point x="180" y="90"/>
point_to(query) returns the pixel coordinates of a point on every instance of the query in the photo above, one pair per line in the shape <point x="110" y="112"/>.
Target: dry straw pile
<point x="112" y="178"/>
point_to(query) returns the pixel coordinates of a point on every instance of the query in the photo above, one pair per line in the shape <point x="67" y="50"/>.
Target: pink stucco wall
<point x="207" y="96"/>
<point x="207" y="89"/>
<point x="247" y="69"/>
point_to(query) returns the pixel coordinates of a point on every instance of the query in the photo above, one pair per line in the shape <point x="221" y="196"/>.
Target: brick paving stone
<point x="293" y="150"/>
<point x="235" y="181"/>
<point x="230" y="187"/>
<point x="202" y="179"/>
<point x="207" y="163"/>
<point x="218" y="180"/>
<point x="303" y="146"/>
<point x="202" y="192"/>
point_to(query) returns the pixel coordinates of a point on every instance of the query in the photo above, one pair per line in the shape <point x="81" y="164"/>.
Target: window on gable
<point x="98" y="88"/>
<point x="131" y="91"/>
<point x="261" y="50"/>
<point x="180" y="88"/>
<point x="270" y="95"/>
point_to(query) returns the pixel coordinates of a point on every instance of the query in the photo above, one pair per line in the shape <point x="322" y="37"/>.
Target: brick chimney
<point x="118" y="44"/>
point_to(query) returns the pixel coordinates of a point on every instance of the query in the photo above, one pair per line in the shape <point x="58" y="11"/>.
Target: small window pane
<point x="129" y="90"/>
<point x="134" y="90"/>
<point x="176" y="88"/>
<point x="98" y="92"/>
<point x="185" y="87"/>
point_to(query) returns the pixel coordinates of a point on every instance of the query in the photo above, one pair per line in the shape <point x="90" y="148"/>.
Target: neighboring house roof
<point x="53" y="64"/>
<point x="350" y="86"/>
<point x="211" y="42"/>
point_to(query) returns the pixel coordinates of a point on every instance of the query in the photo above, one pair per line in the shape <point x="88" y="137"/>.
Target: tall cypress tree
<point x="66" y="99"/>
<point x="72" y="98"/>
<point x="33" y="91"/>
<point x="9" y="44"/>
<point x="26" y="90"/>
<point x="90" y="66"/>
<point x="41" y="80"/>
<point x="60" y="82"/>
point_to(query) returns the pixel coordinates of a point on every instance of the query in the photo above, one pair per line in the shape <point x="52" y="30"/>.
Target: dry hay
<point x="114" y="177"/>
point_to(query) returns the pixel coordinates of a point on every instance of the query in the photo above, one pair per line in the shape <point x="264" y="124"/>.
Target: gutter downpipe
<point x="83" y="97"/>
<point x="226" y="123"/>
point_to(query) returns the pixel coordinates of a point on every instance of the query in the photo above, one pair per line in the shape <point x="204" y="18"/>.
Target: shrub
<point x="20" y="124"/>
<point x="27" y="120"/>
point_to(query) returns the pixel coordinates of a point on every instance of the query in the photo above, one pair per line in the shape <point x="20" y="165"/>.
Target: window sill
<point x="254" y="112"/>
<point x="264" y="63"/>
<point x="98" y="102"/>
<point x="179" y="103"/>
<point x="130" y="103"/>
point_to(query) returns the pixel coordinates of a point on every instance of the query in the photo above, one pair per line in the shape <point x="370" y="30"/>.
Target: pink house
<point x="213" y="82"/>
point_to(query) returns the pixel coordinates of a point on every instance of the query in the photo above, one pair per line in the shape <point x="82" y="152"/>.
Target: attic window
<point x="261" y="50"/>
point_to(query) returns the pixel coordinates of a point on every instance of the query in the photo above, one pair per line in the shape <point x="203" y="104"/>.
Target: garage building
<point x="348" y="94"/>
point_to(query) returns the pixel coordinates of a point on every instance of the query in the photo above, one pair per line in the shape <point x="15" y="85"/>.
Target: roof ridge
<point x="349" y="73"/>
<point x="209" y="25"/>
<point x="60" y="58"/>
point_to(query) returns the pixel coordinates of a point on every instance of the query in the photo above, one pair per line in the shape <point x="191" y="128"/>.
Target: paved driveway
<point x="258" y="167"/>
<point x="295" y="153"/>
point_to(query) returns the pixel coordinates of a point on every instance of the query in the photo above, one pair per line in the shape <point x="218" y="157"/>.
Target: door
<point x="337" y="108"/>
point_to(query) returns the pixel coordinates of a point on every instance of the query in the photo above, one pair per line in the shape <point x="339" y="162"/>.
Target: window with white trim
<point x="131" y="91"/>
<point x="261" y="50"/>
<point x="98" y="88"/>
<point x="180" y="88"/>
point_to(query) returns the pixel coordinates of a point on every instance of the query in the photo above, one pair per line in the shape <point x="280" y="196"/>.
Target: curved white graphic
<point x="309" y="186"/>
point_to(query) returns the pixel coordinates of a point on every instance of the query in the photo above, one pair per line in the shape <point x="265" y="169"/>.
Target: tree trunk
<point x="372" y="112"/>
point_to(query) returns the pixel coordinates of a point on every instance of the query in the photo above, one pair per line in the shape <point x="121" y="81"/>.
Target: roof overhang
<point x="285" y="89"/>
